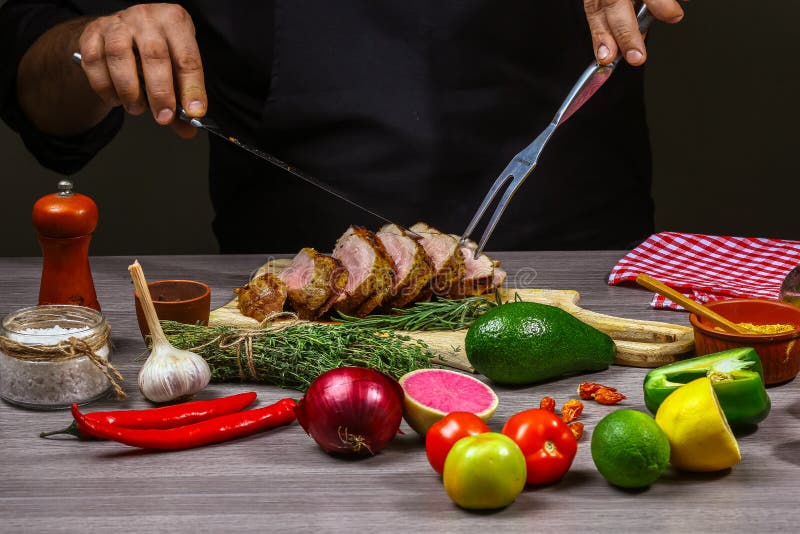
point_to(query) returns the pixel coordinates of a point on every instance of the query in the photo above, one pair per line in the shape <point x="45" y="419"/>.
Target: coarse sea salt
<point x="52" y="384"/>
<point x="46" y="336"/>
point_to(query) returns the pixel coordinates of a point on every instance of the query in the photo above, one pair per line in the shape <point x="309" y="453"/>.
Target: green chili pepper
<point x="737" y="377"/>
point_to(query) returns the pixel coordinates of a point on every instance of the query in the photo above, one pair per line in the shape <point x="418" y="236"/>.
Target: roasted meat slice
<point x="483" y="274"/>
<point x="370" y="268"/>
<point x="447" y="258"/>
<point x="413" y="267"/>
<point x="262" y="296"/>
<point x="478" y="275"/>
<point x="313" y="281"/>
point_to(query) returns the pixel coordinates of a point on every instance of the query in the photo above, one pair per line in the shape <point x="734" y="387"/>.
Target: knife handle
<point x="645" y="18"/>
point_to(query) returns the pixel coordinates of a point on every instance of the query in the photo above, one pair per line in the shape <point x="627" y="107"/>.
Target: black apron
<point x="413" y="108"/>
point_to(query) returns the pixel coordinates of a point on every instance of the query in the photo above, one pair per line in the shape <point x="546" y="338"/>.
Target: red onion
<point x="352" y="410"/>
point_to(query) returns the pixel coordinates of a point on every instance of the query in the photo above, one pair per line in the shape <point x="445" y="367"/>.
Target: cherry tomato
<point x="443" y="434"/>
<point x="484" y="472"/>
<point x="546" y="441"/>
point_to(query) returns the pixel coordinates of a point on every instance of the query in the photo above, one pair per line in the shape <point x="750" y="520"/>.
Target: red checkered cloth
<point x="707" y="267"/>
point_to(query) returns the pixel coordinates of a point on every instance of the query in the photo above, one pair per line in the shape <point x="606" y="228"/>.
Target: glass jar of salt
<point x="55" y="355"/>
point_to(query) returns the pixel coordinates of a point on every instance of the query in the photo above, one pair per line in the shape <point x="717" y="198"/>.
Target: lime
<point x="629" y="449"/>
<point x="699" y="436"/>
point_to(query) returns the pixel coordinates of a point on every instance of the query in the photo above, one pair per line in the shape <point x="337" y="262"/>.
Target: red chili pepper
<point x="608" y="396"/>
<point x="221" y="428"/>
<point x="577" y="429"/>
<point x="586" y="390"/>
<point x="571" y="410"/>
<point x="548" y="403"/>
<point x="165" y="416"/>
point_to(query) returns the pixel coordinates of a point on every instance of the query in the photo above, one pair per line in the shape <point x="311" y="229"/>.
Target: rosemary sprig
<point x="439" y="314"/>
<point x="292" y="357"/>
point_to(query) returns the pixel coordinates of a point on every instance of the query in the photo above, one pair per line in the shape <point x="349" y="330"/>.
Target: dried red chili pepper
<point x="577" y="429"/>
<point x="587" y="390"/>
<point x="548" y="403"/>
<point x="164" y="416"/>
<point x="221" y="428"/>
<point x="571" y="410"/>
<point x="608" y="396"/>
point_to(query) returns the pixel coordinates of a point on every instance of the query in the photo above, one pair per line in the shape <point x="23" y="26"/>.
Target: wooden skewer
<point x="691" y="305"/>
<point x="150" y="315"/>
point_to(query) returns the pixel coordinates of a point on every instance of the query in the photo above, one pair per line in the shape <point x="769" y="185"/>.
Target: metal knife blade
<point x="210" y="126"/>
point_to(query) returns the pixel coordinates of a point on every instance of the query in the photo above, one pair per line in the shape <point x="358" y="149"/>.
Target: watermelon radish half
<point x="430" y="394"/>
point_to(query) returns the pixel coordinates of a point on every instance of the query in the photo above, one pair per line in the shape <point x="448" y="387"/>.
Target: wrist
<point x="52" y="92"/>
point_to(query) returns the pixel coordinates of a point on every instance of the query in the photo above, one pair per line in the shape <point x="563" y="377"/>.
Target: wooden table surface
<point x="281" y="481"/>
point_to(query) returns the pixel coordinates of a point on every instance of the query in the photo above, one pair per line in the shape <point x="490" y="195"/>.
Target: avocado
<point x="526" y="342"/>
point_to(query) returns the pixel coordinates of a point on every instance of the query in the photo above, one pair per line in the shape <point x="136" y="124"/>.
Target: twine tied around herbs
<point x="244" y="338"/>
<point x="69" y="349"/>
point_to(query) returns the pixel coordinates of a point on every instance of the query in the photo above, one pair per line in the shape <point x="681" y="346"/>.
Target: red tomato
<point x="546" y="441"/>
<point x="443" y="434"/>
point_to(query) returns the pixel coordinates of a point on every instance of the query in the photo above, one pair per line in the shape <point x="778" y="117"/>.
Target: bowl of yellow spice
<point x="775" y="334"/>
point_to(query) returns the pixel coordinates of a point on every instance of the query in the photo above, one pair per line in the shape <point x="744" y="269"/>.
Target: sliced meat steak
<point x="313" y="281"/>
<point x="478" y="275"/>
<point x="262" y="296"/>
<point x="371" y="271"/>
<point x="413" y="267"/>
<point x="447" y="258"/>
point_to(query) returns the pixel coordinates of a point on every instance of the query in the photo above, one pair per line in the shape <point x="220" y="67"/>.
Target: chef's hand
<point x="163" y="36"/>
<point x="615" y="29"/>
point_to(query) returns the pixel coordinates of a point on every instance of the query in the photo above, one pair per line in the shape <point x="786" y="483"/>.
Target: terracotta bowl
<point x="184" y="301"/>
<point x="779" y="353"/>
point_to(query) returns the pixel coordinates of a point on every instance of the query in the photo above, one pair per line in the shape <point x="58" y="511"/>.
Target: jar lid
<point x="65" y="213"/>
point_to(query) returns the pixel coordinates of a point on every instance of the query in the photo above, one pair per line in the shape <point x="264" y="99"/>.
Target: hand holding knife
<point x="210" y="126"/>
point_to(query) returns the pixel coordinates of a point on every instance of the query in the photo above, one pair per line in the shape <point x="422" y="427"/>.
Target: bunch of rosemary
<point x="439" y="314"/>
<point x="293" y="356"/>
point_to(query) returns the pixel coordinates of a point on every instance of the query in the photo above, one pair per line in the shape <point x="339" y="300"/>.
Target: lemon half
<point x="699" y="436"/>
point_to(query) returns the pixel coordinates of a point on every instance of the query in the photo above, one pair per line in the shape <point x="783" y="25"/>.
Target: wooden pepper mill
<point x="64" y="223"/>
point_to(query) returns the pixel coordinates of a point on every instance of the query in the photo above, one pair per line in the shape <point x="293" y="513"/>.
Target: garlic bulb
<point x="169" y="373"/>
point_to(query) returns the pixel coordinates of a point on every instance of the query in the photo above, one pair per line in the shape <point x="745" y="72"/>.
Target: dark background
<point x="722" y="91"/>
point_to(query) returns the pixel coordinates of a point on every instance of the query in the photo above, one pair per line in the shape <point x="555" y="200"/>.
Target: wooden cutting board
<point x="639" y="343"/>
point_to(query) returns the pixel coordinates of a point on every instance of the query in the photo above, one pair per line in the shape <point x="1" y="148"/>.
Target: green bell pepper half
<point x="737" y="378"/>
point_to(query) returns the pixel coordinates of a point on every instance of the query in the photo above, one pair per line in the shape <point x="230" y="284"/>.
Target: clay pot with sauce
<point x="779" y="353"/>
<point x="183" y="301"/>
